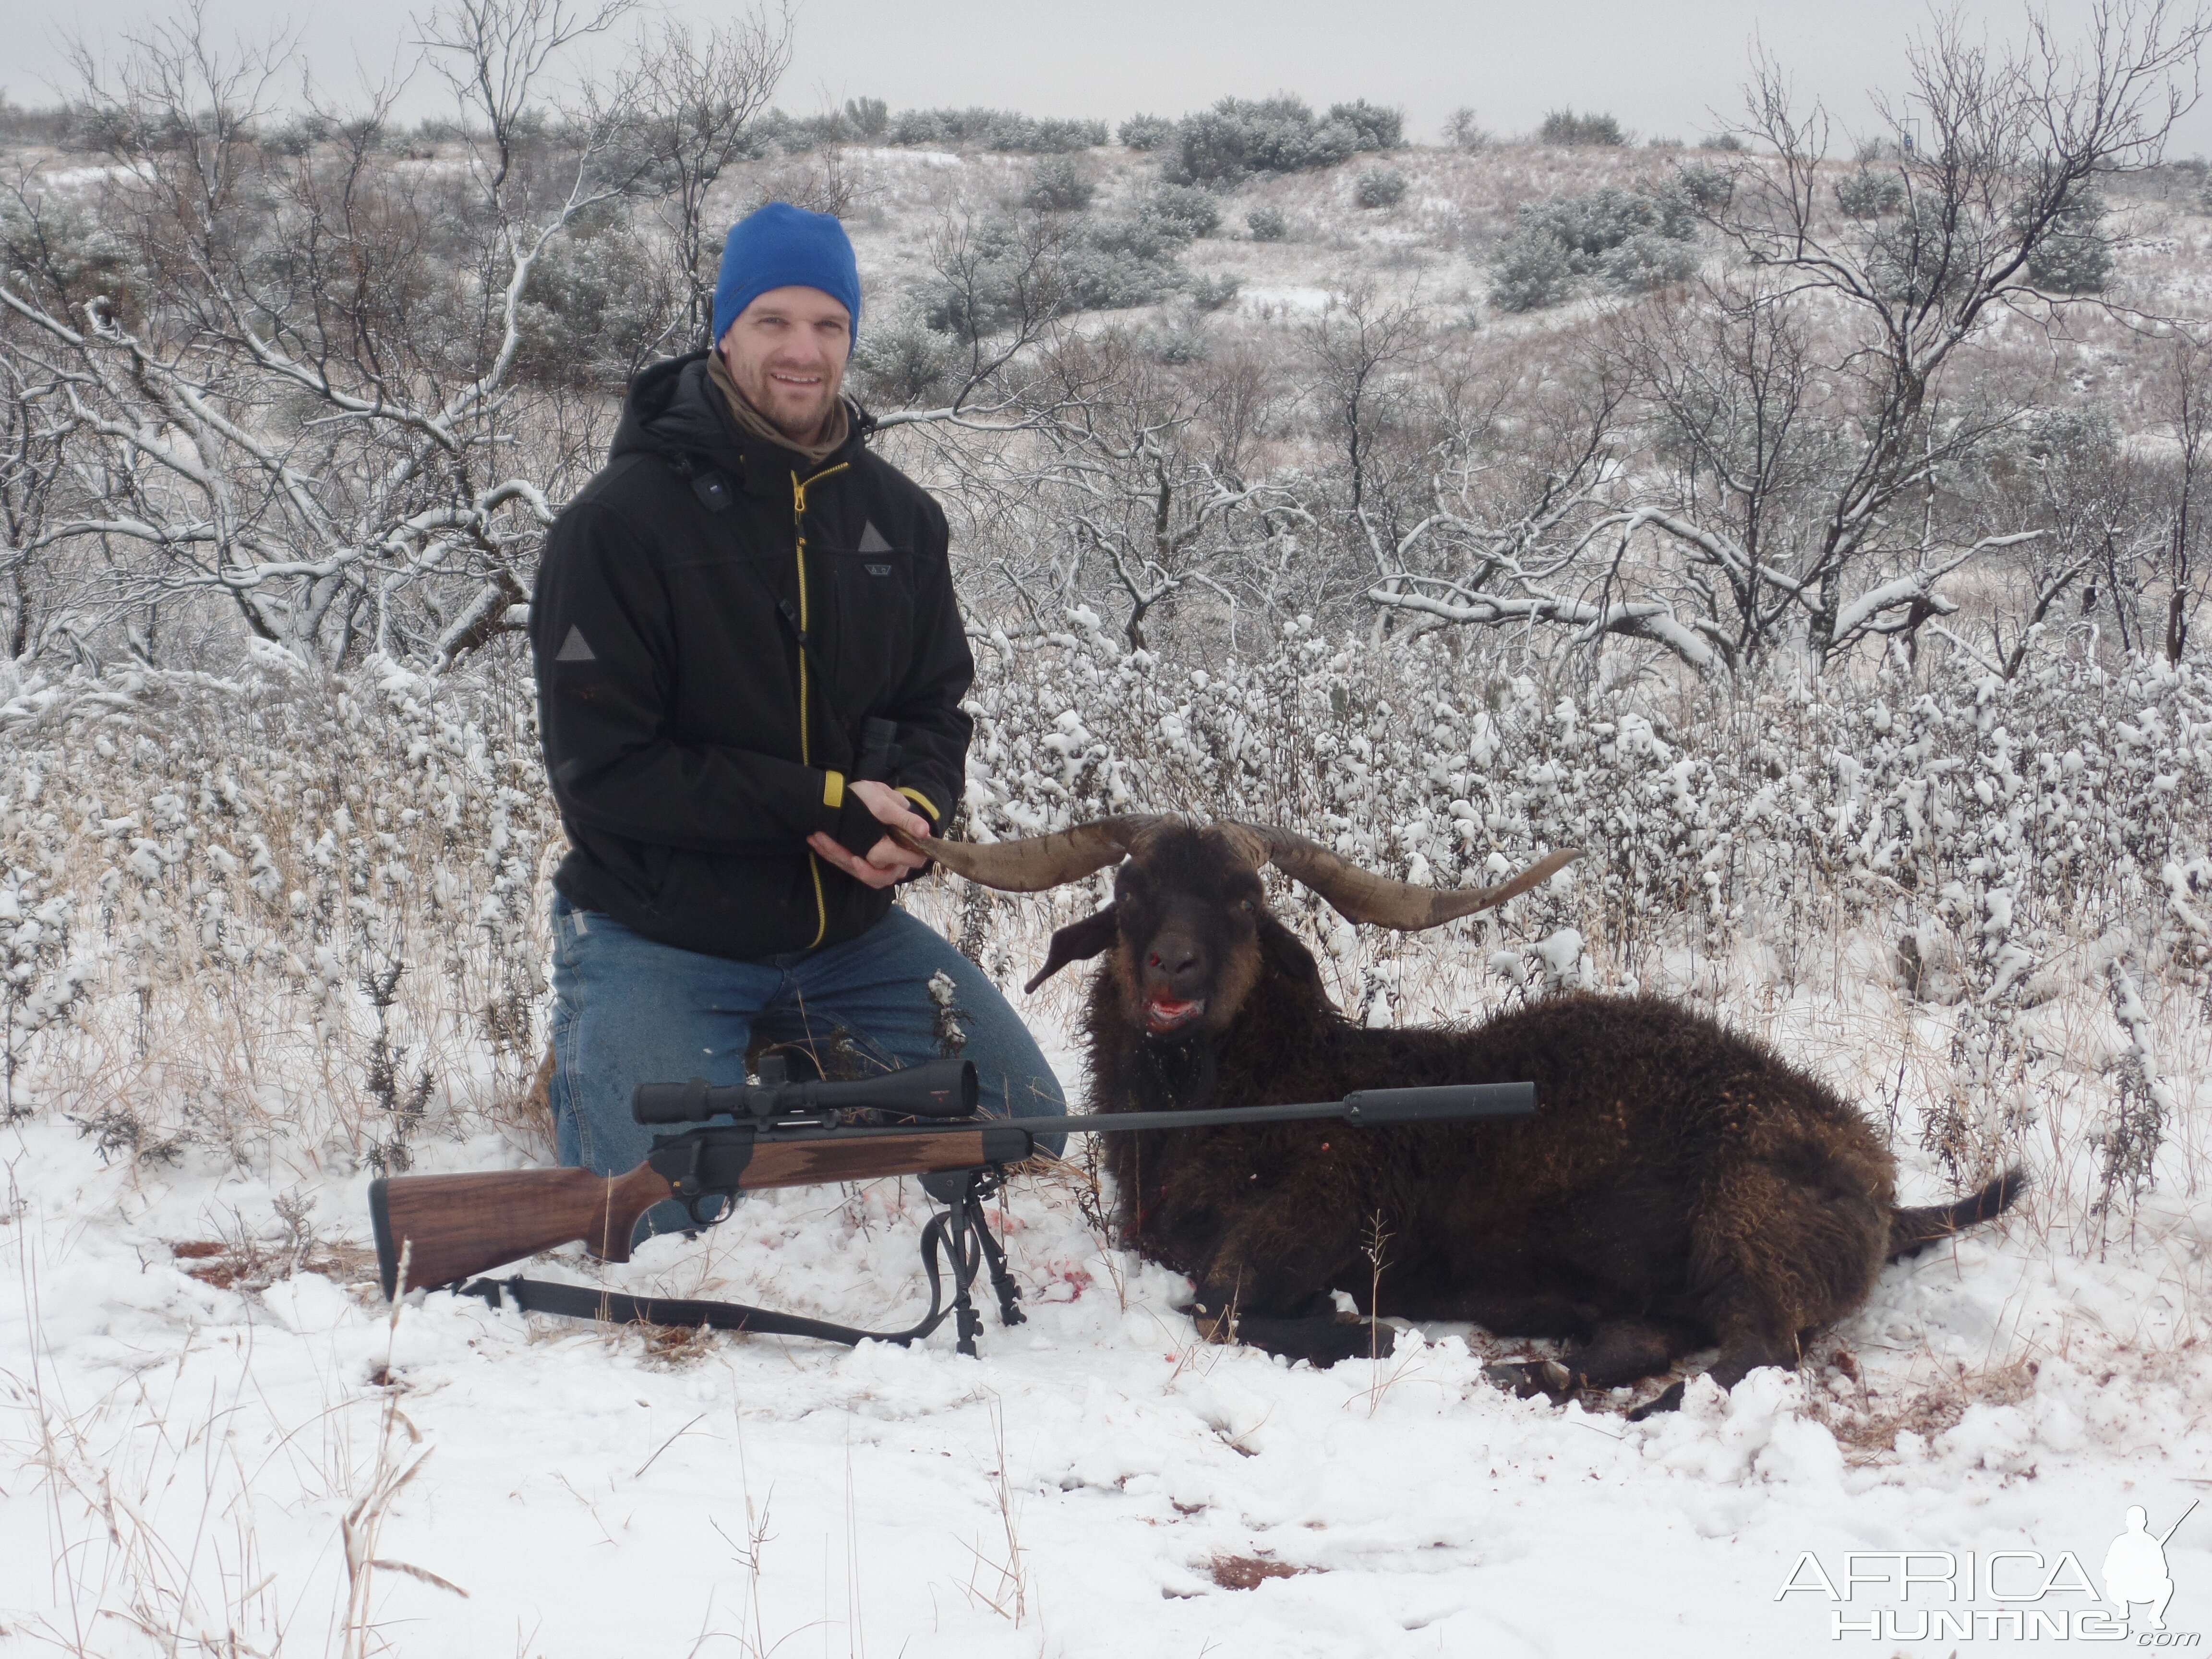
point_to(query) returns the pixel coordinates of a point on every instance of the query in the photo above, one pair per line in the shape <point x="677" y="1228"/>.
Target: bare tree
<point x="695" y="99"/>
<point x="281" y="398"/>
<point x="1803" y="406"/>
<point x="2181" y="554"/>
<point x="2012" y="143"/>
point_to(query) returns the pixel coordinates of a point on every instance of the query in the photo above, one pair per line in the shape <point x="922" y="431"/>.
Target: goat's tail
<point x="1912" y="1231"/>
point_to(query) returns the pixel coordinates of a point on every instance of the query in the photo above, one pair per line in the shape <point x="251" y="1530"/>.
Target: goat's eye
<point x="1245" y="905"/>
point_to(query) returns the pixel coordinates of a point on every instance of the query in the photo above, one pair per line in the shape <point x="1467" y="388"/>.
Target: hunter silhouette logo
<point x="2135" y="1566"/>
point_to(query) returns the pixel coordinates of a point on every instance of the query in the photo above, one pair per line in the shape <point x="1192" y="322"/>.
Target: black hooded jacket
<point x="714" y="619"/>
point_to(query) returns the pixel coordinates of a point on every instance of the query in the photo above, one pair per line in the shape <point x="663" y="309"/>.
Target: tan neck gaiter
<point x="754" y="424"/>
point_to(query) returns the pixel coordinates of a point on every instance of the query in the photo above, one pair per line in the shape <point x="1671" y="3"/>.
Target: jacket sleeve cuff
<point x="928" y="805"/>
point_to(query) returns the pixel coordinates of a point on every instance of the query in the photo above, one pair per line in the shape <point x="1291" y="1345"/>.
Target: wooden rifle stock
<point x="454" y="1227"/>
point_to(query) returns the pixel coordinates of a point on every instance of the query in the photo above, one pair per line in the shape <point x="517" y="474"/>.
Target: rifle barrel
<point x="1453" y="1102"/>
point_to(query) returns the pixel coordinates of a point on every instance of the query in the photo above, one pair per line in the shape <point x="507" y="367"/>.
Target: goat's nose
<point x="1177" y="962"/>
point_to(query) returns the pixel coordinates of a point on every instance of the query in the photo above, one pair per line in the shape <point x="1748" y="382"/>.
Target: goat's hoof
<point x="1350" y="1338"/>
<point x="1670" y="1400"/>
<point x="1527" y="1378"/>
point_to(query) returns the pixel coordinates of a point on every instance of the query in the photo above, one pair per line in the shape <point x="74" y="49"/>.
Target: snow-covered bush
<point x="994" y="128"/>
<point x="1381" y="187"/>
<point x="1867" y="194"/>
<point x="1239" y="137"/>
<point x="900" y="361"/>
<point x="1633" y="240"/>
<point x="272" y="910"/>
<point x="1059" y="185"/>
<point x="1146" y="131"/>
<point x="2077" y="258"/>
<point x="1563" y="126"/>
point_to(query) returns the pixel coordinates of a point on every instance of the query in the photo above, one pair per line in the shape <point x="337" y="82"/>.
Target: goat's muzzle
<point x="1172" y="980"/>
<point x="1165" y="1014"/>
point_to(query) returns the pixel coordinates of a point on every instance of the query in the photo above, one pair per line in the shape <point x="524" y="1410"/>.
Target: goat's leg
<point x="1267" y="1283"/>
<point x="1624" y="1351"/>
<point x="1738" y="1359"/>
<point x="1620" y="1351"/>
<point x="1772" y="1255"/>
<point x="1750" y="1334"/>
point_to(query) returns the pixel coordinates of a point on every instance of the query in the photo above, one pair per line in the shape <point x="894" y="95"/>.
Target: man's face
<point x="787" y="352"/>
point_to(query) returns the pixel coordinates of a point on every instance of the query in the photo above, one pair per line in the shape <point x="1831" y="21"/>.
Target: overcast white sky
<point x="1660" y="68"/>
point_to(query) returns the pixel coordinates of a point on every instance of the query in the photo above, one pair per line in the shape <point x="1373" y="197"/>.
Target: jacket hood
<point x="674" y="410"/>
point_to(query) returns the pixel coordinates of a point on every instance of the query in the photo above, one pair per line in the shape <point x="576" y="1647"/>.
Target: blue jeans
<point x="627" y="1009"/>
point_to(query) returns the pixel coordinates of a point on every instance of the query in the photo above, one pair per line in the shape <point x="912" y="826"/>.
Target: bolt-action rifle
<point x="441" y="1231"/>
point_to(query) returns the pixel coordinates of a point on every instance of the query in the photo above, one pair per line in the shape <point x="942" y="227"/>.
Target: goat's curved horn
<point x="1359" y="895"/>
<point x="1032" y="865"/>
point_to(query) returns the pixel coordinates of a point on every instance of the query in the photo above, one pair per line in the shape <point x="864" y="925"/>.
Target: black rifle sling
<point x="958" y="1233"/>
<point x="618" y="1307"/>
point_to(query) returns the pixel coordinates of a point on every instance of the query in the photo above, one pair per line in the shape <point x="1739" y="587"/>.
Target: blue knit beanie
<point x="783" y="246"/>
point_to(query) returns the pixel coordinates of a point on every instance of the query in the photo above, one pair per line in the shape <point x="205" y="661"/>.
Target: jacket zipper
<point x="799" y="489"/>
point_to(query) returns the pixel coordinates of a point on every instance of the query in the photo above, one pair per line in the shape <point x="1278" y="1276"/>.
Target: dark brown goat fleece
<point x="1681" y="1186"/>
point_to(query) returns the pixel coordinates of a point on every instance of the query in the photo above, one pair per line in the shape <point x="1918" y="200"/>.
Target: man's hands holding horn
<point x="893" y="857"/>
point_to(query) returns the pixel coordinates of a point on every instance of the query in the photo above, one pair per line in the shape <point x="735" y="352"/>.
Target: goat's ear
<point x="1284" y="952"/>
<point x="1079" y="941"/>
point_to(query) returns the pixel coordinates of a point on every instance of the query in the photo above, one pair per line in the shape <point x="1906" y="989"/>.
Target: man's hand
<point x="887" y="861"/>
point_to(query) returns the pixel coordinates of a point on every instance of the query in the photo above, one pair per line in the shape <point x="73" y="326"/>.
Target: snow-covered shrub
<point x="1239" y="137"/>
<point x="1267" y="224"/>
<point x="2076" y="256"/>
<point x="597" y="308"/>
<point x="900" y="361"/>
<point x="273" y="908"/>
<point x="1378" y="128"/>
<point x="1059" y="185"/>
<point x="1381" y="187"/>
<point x="1212" y="293"/>
<point x="1563" y="126"/>
<point x="1632" y="240"/>
<point x="1183" y="210"/>
<point x="994" y="128"/>
<point x="1106" y="263"/>
<point x="1867" y="194"/>
<point x="1146" y="131"/>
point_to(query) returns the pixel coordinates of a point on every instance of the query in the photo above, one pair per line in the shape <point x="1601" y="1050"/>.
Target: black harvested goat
<point x="1680" y="1187"/>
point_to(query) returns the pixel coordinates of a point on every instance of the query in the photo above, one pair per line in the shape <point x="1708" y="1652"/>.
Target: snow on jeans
<point x="627" y="1009"/>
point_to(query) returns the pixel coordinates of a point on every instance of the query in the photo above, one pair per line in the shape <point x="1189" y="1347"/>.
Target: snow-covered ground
<point x="191" y="1469"/>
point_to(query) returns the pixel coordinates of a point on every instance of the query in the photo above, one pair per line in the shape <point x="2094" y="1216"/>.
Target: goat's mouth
<point x="1165" y="1014"/>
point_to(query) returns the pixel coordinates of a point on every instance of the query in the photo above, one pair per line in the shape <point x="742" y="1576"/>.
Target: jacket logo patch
<point x="575" y="647"/>
<point x="871" y="540"/>
<point x="878" y="569"/>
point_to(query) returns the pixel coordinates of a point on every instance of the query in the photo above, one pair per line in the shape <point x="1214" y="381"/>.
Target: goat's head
<point x="1189" y="922"/>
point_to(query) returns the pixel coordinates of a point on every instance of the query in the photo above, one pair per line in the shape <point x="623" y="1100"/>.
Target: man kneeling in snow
<point x="719" y="611"/>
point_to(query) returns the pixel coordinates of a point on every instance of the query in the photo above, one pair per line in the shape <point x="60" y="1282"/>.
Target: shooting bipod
<point x="958" y="1234"/>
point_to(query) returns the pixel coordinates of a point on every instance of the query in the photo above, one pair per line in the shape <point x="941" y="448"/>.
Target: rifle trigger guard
<point x="696" y="1206"/>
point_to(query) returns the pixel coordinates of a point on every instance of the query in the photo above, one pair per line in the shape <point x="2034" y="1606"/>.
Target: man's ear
<point x="1079" y="941"/>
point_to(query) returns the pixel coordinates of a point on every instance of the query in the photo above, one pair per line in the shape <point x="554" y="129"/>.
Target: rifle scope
<point x="942" y="1088"/>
